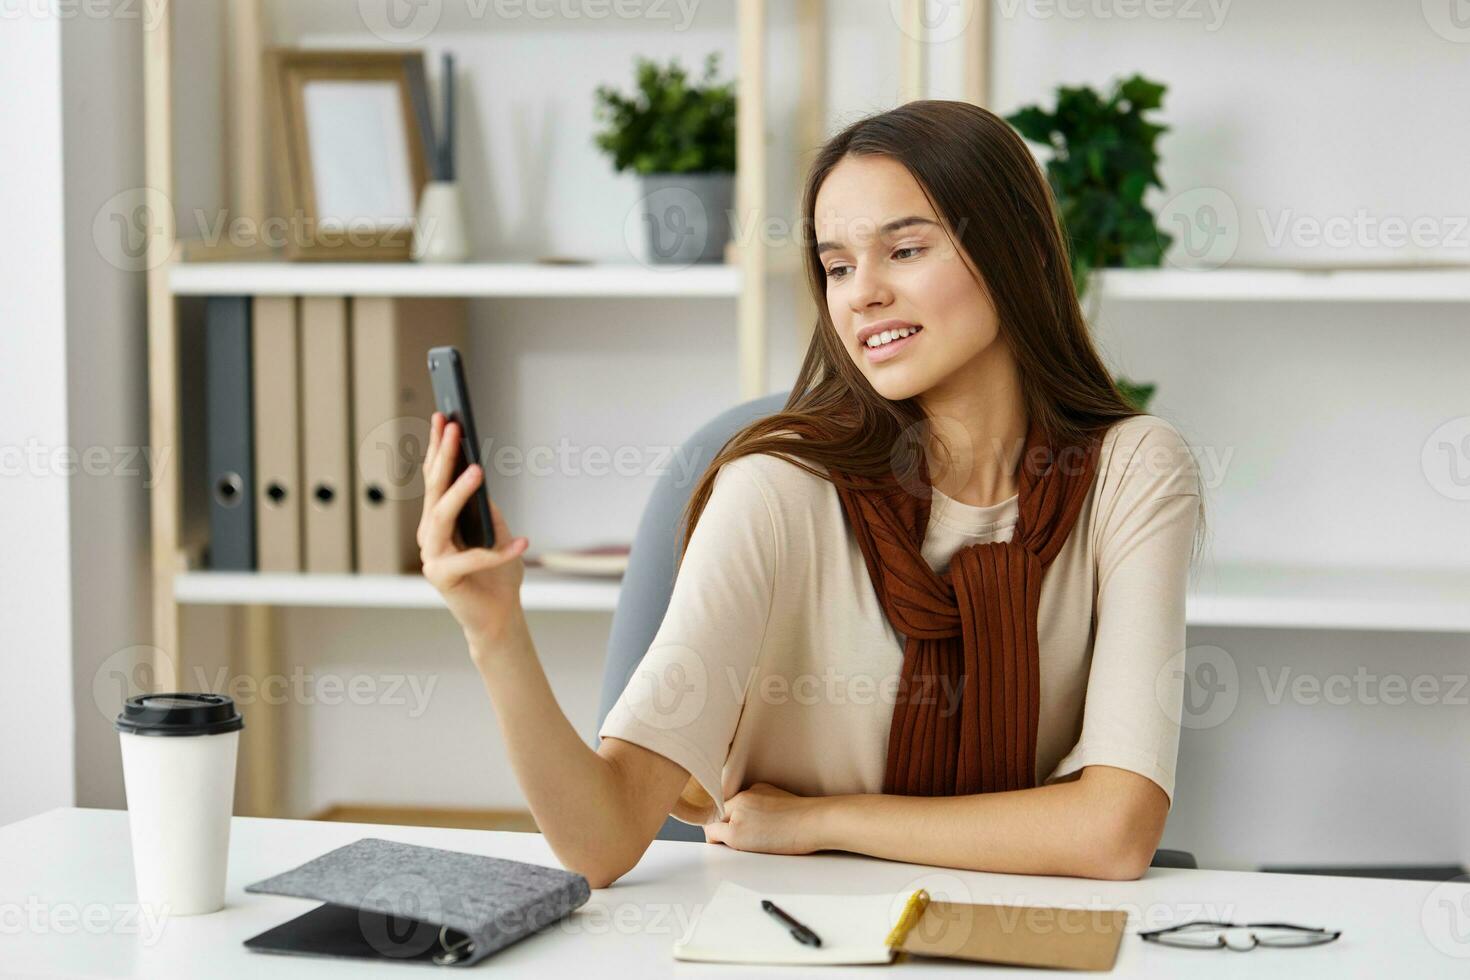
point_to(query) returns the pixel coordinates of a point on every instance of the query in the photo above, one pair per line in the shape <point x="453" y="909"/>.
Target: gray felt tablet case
<point x="375" y="888"/>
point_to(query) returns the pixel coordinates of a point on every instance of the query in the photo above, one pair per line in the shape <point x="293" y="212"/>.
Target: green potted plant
<point x="1137" y="393"/>
<point x="1102" y="159"/>
<point x="680" y="140"/>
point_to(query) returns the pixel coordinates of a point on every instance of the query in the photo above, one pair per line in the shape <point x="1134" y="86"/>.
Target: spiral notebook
<point x="886" y="928"/>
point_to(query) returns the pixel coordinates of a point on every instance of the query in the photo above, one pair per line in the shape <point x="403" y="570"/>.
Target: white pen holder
<point x="439" y="232"/>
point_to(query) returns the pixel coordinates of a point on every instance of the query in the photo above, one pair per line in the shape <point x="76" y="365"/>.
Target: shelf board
<point x="268" y="278"/>
<point x="1298" y="597"/>
<point x="631" y="279"/>
<point x="541" y="591"/>
<point x="1243" y="596"/>
<point x="1435" y="285"/>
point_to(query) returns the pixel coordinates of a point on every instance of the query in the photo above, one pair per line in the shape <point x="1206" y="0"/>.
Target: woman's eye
<point x="832" y="273"/>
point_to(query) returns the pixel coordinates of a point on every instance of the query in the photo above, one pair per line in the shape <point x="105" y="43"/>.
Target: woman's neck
<point x="980" y="416"/>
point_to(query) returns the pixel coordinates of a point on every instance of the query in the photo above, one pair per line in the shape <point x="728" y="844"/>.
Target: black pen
<point x="798" y="931"/>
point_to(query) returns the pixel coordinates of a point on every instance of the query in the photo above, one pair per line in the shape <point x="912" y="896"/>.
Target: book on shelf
<point x="317" y="416"/>
<point x="224" y="250"/>
<point x="604" y="560"/>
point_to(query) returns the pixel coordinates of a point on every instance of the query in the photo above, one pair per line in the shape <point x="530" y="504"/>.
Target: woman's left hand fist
<point x="768" y="819"/>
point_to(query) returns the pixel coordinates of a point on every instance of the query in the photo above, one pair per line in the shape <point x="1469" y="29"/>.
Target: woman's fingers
<point x="443" y="468"/>
<point x="431" y="494"/>
<point x="453" y="501"/>
<point x="447" y="570"/>
<point x="438" y="530"/>
<point x="497" y="522"/>
<point x="436" y="426"/>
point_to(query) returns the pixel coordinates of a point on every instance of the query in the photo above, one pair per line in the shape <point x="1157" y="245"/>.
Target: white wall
<point x="36" y="767"/>
<point x="1320" y="111"/>
<point x="583" y="374"/>
<point x="107" y="387"/>
<point x="1324" y="408"/>
<point x="1315" y="115"/>
<point x="72" y="383"/>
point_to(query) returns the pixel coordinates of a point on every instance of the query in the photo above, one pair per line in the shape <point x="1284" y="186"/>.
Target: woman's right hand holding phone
<point x="481" y="586"/>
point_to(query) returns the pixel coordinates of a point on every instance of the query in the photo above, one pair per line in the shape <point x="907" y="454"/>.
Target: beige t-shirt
<point x="775" y="663"/>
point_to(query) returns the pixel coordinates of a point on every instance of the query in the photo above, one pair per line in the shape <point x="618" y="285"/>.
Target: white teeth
<point x="879" y="339"/>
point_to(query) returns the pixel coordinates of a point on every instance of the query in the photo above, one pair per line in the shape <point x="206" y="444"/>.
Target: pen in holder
<point x="439" y="232"/>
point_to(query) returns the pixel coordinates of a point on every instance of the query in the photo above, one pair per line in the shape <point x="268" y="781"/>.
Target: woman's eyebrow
<point x="896" y="224"/>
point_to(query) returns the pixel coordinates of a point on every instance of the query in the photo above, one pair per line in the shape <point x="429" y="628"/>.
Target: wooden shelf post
<point x="163" y="354"/>
<point x="750" y="197"/>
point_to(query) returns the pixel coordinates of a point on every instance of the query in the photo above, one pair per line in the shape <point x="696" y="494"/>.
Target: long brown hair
<point x="984" y="184"/>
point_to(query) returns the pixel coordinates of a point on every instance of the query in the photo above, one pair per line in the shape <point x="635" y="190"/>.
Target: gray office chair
<point x="649" y="580"/>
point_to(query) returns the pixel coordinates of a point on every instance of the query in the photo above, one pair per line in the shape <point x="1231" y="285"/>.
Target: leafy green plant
<point x="669" y="125"/>
<point x="1102" y="160"/>
<point x="1138" y="394"/>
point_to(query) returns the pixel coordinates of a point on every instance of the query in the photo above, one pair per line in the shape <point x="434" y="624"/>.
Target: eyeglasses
<point x="1213" y="935"/>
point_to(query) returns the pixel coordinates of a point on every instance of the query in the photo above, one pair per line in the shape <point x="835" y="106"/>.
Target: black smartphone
<point x="452" y="397"/>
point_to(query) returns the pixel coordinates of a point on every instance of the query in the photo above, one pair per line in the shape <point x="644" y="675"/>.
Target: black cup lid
<point x="179" y="714"/>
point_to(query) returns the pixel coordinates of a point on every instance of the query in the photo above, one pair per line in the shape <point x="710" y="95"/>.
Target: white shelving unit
<point x="482" y="279"/>
<point x="1297" y="597"/>
<point x="542" y="591"/>
<point x="1448" y="285"/>
<point x="752" y="266"/>
<point x="506" y="279"/>
<point x="1230" y="595"/>
<point x="631" y="279"/>
<point x="1235" y="595"/>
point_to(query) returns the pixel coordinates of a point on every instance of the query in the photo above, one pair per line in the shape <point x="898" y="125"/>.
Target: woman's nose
<point x="868" y="290"/>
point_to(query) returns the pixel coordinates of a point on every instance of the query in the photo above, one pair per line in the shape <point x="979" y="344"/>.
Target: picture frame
<point x="351" y="140"/>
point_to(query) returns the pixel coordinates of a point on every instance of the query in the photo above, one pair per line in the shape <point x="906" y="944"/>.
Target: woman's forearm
<point x="1060" y="829"/>
<point x="574" y="794"/>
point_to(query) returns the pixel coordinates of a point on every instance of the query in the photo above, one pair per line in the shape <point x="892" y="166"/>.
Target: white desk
<point x="66" y="885"/>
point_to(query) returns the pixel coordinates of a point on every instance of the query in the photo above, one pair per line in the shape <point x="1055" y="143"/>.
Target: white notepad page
<point x="733" y="928"/>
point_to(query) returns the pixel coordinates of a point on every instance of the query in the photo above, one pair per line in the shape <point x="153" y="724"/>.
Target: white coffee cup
<point x="178" y="753"/>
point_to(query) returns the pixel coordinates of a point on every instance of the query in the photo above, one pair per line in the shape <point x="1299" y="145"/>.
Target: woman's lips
<point x="891" y="349"/>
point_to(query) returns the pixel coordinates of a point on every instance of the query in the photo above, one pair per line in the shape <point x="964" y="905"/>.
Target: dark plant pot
<point x="686" y="217"/>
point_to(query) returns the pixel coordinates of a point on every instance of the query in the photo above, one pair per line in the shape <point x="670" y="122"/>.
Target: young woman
<point x="933" y="610"/>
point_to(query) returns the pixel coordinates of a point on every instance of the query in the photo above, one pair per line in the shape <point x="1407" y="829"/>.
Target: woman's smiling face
<point x="887" y="256"/>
